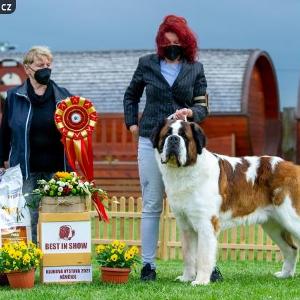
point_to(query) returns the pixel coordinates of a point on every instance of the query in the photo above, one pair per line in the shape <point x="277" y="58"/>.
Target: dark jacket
<point x="15" y="130"/>
<point x="161" y="99"/>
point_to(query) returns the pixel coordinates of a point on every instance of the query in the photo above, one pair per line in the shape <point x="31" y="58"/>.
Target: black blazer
<point x="162" y="100"/>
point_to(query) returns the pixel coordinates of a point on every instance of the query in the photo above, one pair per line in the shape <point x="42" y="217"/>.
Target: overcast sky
<point x="271" y="25"/>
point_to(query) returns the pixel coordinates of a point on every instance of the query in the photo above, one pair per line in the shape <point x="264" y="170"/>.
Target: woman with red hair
<point x="174" y="31"/>
<point x="175" y="86"/>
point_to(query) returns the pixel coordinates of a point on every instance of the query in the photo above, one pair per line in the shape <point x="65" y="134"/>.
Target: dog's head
<point x="177" y="142"/>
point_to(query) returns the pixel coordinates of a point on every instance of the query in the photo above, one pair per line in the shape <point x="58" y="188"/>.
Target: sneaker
<point x="216" y="275"/>
<point x="147" y="273"/>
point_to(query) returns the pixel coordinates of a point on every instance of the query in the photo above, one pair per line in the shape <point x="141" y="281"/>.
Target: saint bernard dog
<point x="209" y="192"/>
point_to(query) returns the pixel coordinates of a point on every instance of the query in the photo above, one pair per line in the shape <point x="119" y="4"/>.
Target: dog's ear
<point x="154" y="137"/>
<point x="199" y="137"/>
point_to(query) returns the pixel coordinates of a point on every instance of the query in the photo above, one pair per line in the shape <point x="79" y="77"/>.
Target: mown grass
<point x="243" y="280"/>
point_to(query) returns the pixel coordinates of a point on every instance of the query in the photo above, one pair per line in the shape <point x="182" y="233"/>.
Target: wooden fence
<point x="241" y="243"/>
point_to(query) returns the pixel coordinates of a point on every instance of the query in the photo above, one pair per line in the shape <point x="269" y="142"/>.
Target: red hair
<point x="187" y="38"/>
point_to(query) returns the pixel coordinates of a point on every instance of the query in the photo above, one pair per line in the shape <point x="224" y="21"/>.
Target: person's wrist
<point x="133" y="128"/>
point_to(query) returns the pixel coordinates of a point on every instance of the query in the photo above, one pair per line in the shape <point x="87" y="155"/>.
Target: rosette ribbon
<point x="75" y="118"/>
<point x="99" y="207"/>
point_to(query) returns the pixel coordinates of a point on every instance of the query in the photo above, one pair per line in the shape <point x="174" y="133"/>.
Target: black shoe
<point x="147" y="273"/>
<point x="216" y="275"/>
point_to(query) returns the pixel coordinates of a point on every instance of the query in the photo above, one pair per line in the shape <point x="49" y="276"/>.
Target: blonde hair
<point x="37" y="51"/>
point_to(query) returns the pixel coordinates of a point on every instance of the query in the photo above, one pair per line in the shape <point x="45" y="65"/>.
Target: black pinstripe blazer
<point x="162" y="100"/>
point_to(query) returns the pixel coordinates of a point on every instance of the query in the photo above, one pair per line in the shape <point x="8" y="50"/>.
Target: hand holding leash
<point x="181" y="114"/>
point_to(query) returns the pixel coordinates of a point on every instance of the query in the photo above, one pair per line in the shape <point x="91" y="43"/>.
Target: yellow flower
<point x="100" y="248"/>
<point x="130" y="251"/>
<point x="11" y="253"/>
<point x="116" y="254"/>
<point x="114" y="257"/>
<point x="18" y="255"/>
<point x="25" y="261"/>
<point x="15" y="247"/>
<point x="122" y="245"/>
<point x="38" y="253"/>
<point x="4" y="250"/>
<point x="134" y="249"/>
<point x="6" y="247"/>
<point x="23" y="247"/>
<point x="22" y="244"/>
<point x="26" y="257"/>
<point x="31" y="245"/>
<point x="65" y="175"/>
<point x="115" y="243"/>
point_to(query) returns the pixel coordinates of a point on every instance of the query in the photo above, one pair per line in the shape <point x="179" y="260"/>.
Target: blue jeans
<point x="33" y="200"/>
<point x="152" y="193"/>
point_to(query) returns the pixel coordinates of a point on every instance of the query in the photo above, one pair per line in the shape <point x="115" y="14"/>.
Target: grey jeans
<point x="152" y="193"/>
<point x="33" y="200"/>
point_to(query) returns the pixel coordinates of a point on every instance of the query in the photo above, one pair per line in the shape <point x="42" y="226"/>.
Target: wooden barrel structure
<point x="243" y="96"/>
<point x="244" y="100"/>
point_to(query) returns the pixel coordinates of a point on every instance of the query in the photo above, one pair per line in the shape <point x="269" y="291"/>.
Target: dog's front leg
<point x="189" y="249"/>
<point x="206" y="252"/>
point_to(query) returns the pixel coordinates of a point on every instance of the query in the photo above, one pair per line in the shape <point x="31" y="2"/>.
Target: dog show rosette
<point x="75" y="118"/>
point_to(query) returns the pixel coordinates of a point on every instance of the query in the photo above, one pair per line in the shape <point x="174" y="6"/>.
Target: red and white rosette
<point x="75" y="117"/>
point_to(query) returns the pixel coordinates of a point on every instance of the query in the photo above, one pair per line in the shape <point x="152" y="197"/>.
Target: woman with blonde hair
<point x="28" y="135"/>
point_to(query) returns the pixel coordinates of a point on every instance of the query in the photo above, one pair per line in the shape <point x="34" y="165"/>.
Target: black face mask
<point x="42" y="76"/>
<point x="173" y="52"/>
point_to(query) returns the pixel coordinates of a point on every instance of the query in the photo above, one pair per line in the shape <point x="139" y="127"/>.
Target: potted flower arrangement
<point x="116" y="260"/>
<point x="18" y="261"/>
<point x="68" y="192"/>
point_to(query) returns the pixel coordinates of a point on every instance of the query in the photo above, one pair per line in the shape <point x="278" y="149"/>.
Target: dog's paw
<point x="200" y="282"/>
<point x="283" y="275"/>
<point x="183" y="278"/>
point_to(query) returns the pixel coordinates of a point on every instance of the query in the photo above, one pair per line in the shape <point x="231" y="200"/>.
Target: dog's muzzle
<point x="172" y="150"/>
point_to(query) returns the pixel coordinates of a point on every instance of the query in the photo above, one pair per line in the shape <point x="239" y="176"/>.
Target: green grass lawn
<point x="243" y="280"/>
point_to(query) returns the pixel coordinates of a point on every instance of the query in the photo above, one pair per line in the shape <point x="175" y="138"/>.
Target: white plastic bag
<point x="14" y="214"/>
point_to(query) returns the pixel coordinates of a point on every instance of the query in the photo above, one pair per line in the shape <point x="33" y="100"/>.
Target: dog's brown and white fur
<point x="210" y="192"/>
